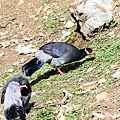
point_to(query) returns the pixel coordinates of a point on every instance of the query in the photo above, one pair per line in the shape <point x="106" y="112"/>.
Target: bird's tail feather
<point x="30" y="67"/>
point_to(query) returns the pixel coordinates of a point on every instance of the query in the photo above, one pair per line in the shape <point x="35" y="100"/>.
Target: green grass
<point x="54" y="23"/>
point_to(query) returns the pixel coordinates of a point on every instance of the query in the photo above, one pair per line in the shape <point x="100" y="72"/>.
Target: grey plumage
<point x="15" y="95"/>
<point x="13" y="105"/>
<point x="55" y="54"/>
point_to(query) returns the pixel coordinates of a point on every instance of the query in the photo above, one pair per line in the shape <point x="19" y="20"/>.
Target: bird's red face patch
<point x="22" y="88"/>
<point x="89" y="50"/>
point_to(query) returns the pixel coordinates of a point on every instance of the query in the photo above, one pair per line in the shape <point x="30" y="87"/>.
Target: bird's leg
<point x="59" y="71"/>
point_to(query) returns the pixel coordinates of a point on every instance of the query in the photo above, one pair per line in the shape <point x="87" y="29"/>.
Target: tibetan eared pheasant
<point x="15" y="95"/>
<point x="55" y="54"/>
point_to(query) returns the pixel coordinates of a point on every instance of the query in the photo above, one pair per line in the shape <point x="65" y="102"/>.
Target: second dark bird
<point x="15" y="95"/>
<point x="55" y="54"/>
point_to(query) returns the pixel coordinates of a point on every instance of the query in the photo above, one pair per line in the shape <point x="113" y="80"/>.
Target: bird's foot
<point x="60" y="72"/>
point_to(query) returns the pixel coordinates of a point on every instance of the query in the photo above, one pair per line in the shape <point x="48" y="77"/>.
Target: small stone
<point x="26" y="39"/>
<point x="25" y="49"/>
<point x="81" y="79"/>
<point x="117" y="116"/>
<point x="98" y="115"/>
<point x="10" y="70"/>
<point x="65" y="34"/>
<point x="5" y="44"/>
<point x="33" y="94"/>
<point x="41" y="34"/>
<point x="102" y="81"/>
<point x="21" y="2"/>
<point x="90" y="69"/>
<point x="62" y="19"/>
<point x="49" y="102"/>
<point x="102" y="96"/>
<point x="2" y="53"/>
<point x="69" y="24"/>
<point x="116" y="75"/>
<point x="113" y="66"/>
<point x="89" y="85"/>
<point x="20" y="25"/>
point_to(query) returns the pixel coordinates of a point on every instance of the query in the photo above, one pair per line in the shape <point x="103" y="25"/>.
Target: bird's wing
<point x="53" y="50"/>
<point x="3" y="93"/>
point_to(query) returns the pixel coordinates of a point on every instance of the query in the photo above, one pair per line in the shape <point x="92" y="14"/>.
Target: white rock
<point x="21" y="2"/>
<point x="26" y="39"/>
<point x="90" y="69"/>
<point x="102" y="96"/>
<point x="25" y="49"/>
<point x="81" y="79"/>
<point x="69" y="24"/>
<point x="117" y="116"/>
<point x="102" y="81"/>
<point x="41" y="34"/>
<point x="2" y="53"/>
<point x="5" y="44"/>
<point x="116" y="75"/>
<point x="98" y="115"/>
<point x="65" y="34"/>
<point x="10" y="70"/>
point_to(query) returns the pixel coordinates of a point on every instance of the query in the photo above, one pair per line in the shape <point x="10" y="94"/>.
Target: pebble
<point x="69" y="24"/>
<point x="116" y="75"/>
<point x="10" y="70"/>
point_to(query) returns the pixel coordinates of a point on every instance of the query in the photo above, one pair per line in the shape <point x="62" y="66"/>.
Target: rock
<point x="113" y="66"/>
<point x="81" y="79"/>
<point x="49" y="102"/>
<point x="90" y="69"/>
<point x="3" y="33"/>
<point x="98" y="115"/>
<point x="27" y="39"/>
<point x="25" y="49"/>
<point x="10" y="70"/>
<point x="60" y="115"/>
<point x="62" y="19"/>
<point x="102" y="81"/>
<point x="69" y="24"/>
<point x="90" y="85"/>
<point x="2" y="53"/>
<point x="116" y="75"/>
<point x="65" y="34"/>
<point x="117" y="116"/>
<point x="102" y="96"/>
<point x="5" y="44"/>
<point x="21" y="2"/>
<point x="41" y="34"/>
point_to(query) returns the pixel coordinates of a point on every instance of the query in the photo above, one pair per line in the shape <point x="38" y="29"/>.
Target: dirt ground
<point x="22" y="24"/>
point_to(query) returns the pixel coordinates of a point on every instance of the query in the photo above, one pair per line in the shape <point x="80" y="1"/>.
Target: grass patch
<point x="107" y="53"/>
<point x="46" y="113"/>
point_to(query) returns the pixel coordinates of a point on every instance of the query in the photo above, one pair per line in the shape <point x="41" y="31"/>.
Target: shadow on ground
<point x="66" y="68"/>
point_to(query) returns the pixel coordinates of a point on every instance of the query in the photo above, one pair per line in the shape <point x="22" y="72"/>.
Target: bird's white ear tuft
<point x="87" y="51"/>
<point x="23" y="86"/>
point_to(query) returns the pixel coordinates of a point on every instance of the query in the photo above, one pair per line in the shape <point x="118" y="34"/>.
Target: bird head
<point x="89" y="51"/>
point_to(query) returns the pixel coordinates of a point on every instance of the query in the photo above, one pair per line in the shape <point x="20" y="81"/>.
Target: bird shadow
<point x="66" y="68"/>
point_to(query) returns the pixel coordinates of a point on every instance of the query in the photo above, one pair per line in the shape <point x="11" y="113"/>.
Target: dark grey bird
<point x="15" y="96"/>
<point x="55" y="54"/>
